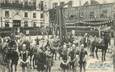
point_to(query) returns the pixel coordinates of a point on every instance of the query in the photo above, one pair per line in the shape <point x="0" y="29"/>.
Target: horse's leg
<point x="92" y="49"/>
<point x="16" y="67"/>
<point x="11" y="67"/>
<point x="49" y="69"/>
<point x="96" y="51"/>
<point x="102" y="55"/>
<point x="23" y="69"/>
<point x="105" y="54"/>
<point x="55" y="55"/>
<point x="30" y="61"/>
<point x="80" y="67"/>
<point x="84" y="66"/>
<point x="34" y="62"/>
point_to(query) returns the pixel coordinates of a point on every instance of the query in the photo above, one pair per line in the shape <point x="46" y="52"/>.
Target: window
<point x="102" y="15"/>
<point x="41" y="5"/>
<point x="34" y="15"/>
<point x="26" y="14"/>
<point x="114" y="15"/>
<point x="81" y="14"/>
<point x="26" y="2"/>
<point x="6" y="1"/>
<point x="70" y="4"/>
<point x="26" y="24"/>
<point x="92" y="15"/>
<point x="55" y="5"/>
<point x="41" y="23"/>
<point x="42" y="15"/>
<point x="6" y="13"/>
<point x="104" y="11"/>
<point x="6" y="24"/>
<point x="61" y="3"/>
<point x="16" y="1"/>
<point x="34" y="24"/>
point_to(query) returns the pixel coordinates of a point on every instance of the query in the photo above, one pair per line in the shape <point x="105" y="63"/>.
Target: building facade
<point x="91" y="17"/>
<point x="22" y="16"/>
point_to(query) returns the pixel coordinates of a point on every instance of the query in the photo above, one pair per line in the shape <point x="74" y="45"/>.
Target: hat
<point x="73" y="45"/>
<point x="64" y="46"/>
<point x="82" y="45"/>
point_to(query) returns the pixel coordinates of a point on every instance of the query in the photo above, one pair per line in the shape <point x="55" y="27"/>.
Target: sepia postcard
<point x="57" y="35"/>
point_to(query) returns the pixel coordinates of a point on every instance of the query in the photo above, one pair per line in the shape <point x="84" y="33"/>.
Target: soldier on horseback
<point x="105" y="42"/>
<point x="12" y="54"/>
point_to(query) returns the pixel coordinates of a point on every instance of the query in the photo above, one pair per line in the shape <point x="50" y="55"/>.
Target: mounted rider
<point x="12" y="54"/>
<point x="12" y="47"/>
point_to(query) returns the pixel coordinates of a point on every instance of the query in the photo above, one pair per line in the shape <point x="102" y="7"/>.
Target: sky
<point x="108" y="1"/>
<point x="100" y="1"/>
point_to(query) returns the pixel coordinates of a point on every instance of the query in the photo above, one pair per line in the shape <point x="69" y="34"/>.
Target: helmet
<point x="82" y="45"/>
<point x="24" y="46"/>
<point x="73" y="45"/>
<point x="64" y="46"/>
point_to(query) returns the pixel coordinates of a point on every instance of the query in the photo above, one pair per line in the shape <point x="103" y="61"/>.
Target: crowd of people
<point x="41" y="53"/>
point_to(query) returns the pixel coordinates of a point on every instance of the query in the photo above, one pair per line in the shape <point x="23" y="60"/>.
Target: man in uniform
<point x="74" y="58"/>
<point x="82" y="58"/>
<point x="65" y="59"/>
<point x="24" y="58"/>
<point x="12" y="54"/>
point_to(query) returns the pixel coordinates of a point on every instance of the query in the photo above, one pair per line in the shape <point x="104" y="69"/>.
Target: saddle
<point x="12" y="46"/>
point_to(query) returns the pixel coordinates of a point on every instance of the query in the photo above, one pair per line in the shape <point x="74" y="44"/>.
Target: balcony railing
<point x="17" y="6"/>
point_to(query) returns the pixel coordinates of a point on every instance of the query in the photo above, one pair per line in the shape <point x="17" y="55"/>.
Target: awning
<point x="105" y="28"/>
<point x="95" y="23"/>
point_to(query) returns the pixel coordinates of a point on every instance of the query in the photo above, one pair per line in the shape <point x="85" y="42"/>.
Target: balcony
<point x="17" y="6"/>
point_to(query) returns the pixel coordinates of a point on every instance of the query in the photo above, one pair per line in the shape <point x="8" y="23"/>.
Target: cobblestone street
<point x="93" y="65"/>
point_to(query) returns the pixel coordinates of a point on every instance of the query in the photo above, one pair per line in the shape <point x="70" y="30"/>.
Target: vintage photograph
<point x="57" y="35"/>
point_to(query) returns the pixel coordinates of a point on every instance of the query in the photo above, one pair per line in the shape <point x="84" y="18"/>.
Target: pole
<point x="61" y="23"/>
<point x="1" y="24"/>
<point x="113" y="50"/>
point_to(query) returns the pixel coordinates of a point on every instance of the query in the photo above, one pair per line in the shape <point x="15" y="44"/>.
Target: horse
<point x="12" y="55"/>
<point x="100" y="44"/>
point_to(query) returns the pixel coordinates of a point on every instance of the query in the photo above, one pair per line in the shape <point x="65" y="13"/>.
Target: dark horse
<point x="103" y="45"/>
<point x="12" y="55"/>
